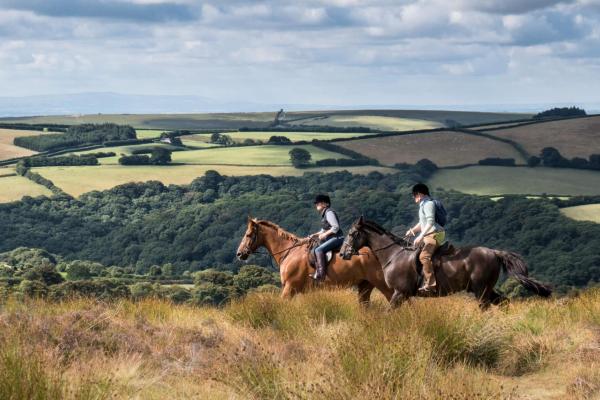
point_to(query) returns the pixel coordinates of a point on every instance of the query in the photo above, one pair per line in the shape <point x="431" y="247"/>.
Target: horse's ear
<point x="361" y="220"/>
<point x="249" y="218"/>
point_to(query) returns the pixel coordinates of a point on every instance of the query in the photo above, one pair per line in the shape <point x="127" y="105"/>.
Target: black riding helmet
<point x="322" y="198"/>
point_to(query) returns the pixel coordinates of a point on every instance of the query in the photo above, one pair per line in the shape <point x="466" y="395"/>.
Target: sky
<point x="342" y="52"/>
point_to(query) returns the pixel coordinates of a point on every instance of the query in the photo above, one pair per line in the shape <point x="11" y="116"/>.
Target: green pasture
<point x="588" y="212"/>
<point x="265" y="136"/>
<point x="250" y="155"/>
<point x="13" y="188"/>
<point x="148" y="133"/>
<point x="497" y="181"/>
<point x="124" y="150"/>
<point x="79" y="180"/>
<point x="373" y="122"/>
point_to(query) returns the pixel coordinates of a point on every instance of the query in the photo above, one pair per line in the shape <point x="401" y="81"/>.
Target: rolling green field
<point x="372" y="121"/>
<point x="491" y="181"/>
<point x="588" y="212"/>
<point x="264" y="136"/>
<point x="123" y="150"/>
<point x="148" y="133"/>
<point x="264" y="119"/>
<point x="79" y="180"/>
<point x="13" y="188"/>
<point x="160" y="121"/>
<point x="251" y="155"/>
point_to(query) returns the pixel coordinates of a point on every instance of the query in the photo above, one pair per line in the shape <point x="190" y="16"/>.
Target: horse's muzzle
<point x="242" y="256"/>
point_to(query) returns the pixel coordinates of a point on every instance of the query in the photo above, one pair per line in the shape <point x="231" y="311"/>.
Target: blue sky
<point x="342" y="52"/>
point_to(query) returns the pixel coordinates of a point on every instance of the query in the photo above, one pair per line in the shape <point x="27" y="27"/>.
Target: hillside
<point x="319" y="345"/>
<point x="444" y="148"/>
<point x="577" y="137"/>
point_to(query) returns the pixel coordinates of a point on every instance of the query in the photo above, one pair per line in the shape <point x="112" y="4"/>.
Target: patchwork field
<point x="13" y="188"/>
<point x="588" y="212"/>
<point x="577" y="137"/>
<point x="79" y="180"/>
<point x="485" y="180"/>
<point x="445" y="148"/>
<point x="265" y="136"/>
<point x="123" y="150"/>
<point x="8" y="149"/>
<point x="372" y="121"/>
<point x="251" y="155"/>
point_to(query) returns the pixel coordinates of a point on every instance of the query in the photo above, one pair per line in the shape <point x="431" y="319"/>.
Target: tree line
<point x="77" y="135"/>
<point x="199" y="226"/>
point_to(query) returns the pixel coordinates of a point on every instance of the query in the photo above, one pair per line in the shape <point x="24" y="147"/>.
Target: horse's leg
<point x="364" y="292"/>
<point x="288" y="291"/>
<point x="497" y="298"/>
<point x="397" y="299"/>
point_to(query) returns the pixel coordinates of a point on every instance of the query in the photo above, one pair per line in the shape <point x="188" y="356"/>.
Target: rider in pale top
<point x="431" y="234"/>
<point x="330" y="236"/>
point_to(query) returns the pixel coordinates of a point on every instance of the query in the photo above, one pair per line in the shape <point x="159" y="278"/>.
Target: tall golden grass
<point x="321" y="345"/>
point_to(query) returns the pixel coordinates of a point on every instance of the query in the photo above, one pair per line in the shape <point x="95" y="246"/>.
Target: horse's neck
<point x="382" y="245"/>
<point x="276" y="245"/>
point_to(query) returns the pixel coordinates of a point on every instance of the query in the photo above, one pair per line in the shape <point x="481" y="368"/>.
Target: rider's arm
<point x="333" y="221"/>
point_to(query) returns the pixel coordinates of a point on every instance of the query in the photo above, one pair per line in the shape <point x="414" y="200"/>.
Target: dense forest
<point x="77" y="136"/>
<point x="199" y="226"/>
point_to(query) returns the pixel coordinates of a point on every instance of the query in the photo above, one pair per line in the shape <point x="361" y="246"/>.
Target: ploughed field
<point x="444" y="148"/>
<point x="321" y="345"/>
<point x="8" y="149"/>
<point x="577" y="137"/>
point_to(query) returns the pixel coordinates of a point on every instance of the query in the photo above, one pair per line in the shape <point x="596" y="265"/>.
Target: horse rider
<point x="330" y="236"/>
<point x="431" y="234"/>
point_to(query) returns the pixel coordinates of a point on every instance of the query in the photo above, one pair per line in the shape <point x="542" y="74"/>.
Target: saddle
<point x="446" y="249"/>
<point x="314" y="243"/>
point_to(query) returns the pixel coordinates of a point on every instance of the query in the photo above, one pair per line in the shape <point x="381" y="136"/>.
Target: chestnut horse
<point x="291" y="255"/>
<point x="474" y="269"/>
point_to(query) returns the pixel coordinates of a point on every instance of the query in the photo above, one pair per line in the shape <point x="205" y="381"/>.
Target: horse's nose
<point x="239" y="254"/>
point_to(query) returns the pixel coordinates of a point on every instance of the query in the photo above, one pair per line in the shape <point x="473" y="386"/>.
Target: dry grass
<point x="444" y="148"/>
<point x="588" y="212"/>
<point x="373" y="122"/>
<point x="316" y="346"/>
<point x="578" y="137"/>
<point x="13" y="188"/>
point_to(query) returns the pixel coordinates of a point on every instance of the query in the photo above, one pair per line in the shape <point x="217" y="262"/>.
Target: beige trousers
<point x="430" y="244"/>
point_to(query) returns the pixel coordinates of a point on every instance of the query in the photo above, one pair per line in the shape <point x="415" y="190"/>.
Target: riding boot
<point x="321" y="262"/>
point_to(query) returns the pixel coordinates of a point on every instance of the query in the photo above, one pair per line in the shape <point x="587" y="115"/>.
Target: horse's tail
<point x="514" y="265"/>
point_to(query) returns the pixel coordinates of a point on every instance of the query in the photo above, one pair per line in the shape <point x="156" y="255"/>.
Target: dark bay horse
<point x="474" y="269"/>
<point x="291" y="255"/>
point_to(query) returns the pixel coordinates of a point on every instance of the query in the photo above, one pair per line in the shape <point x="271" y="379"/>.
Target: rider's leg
<point x="331" y="244"/>
<point x="430" y="244"/>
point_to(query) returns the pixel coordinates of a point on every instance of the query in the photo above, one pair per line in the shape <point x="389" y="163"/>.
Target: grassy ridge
<point x="319" y="345"/>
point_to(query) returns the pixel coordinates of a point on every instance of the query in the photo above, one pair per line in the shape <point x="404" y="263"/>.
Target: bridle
<point x="254" y="238"/>
<point x="394" y="242"/>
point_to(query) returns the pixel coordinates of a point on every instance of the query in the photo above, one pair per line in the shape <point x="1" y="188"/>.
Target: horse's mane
<point x="280" y="231"/>
<point x="374" y="226"/>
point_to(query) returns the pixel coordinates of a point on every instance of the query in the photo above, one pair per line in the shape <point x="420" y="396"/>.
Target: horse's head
<point x="355" y="239"/>
<point x="249" y="242"/>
